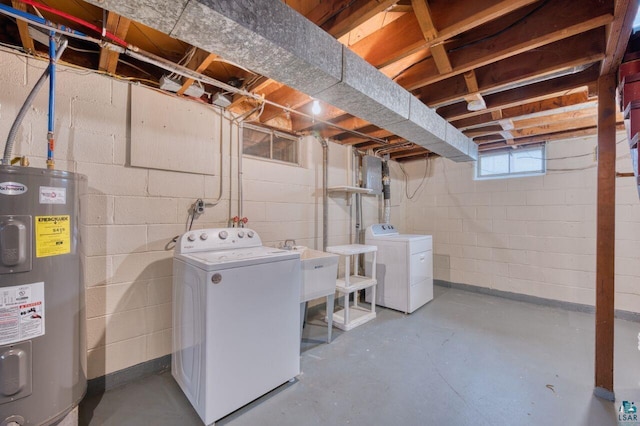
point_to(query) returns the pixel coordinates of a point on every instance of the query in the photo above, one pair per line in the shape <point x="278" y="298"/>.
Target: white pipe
<point x="325" y="191"/>
<point x="240" y="147"/>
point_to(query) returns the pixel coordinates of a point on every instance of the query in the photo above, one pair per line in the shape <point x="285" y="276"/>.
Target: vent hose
<point x="386" y="191"/>
<point x="8" y="148"/>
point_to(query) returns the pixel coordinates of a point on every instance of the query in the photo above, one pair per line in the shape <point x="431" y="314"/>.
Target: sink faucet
<point x="288" y="244"/>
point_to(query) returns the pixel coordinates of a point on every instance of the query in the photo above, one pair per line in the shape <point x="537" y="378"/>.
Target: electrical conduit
<point x="386" y="190"/>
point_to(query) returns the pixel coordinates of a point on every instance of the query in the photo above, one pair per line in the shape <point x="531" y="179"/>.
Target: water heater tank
<point x="42" y="309"/>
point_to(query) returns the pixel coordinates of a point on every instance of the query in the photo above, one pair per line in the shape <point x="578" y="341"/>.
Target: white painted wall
<point x="530" y="235"/>
<point x="131" y="213"/>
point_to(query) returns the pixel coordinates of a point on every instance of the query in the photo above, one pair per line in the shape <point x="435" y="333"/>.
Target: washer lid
<point x="223" y="259"/>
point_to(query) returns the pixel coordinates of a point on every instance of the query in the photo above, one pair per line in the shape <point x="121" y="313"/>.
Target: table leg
<point x="330" y="301"/>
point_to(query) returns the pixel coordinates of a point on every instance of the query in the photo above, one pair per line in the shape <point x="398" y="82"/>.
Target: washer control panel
<point x="214" y="239"/>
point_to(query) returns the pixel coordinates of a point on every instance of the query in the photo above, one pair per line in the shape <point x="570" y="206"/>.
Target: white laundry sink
<point x="319" y="272"/>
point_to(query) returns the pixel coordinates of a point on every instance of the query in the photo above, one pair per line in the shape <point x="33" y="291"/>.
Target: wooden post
<point x="605" y="237"/>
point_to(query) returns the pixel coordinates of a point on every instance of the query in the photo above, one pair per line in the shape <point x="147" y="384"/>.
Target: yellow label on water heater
<point x="53" y="235"/>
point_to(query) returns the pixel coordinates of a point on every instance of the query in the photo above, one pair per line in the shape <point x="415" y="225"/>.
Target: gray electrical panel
<point x="372" y="173"/>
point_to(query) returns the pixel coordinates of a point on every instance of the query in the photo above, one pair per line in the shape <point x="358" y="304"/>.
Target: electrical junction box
<point x="372" y="173"/>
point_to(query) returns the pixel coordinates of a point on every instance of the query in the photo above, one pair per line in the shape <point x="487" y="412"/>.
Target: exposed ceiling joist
<point x="119" y="26"/>
<point x="23" y="28"/>
<point x="200" y="62"/>
<point x="564" y="56"/>
<point x="525" y="94"/>
<point x="357" y="12"/>
<point x="521" y="58"/>
<point x="546" y="106"/>
<point x="557" y="20"/>
<point x="429" y="32"/>
<point x="618" y="34"/>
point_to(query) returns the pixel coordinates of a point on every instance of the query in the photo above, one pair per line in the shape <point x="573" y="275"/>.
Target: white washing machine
<point x="236" y="319"/>
<point x="404" y="268"/>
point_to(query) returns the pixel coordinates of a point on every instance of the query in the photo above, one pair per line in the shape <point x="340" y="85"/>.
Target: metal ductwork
<point x="272" y="39"/>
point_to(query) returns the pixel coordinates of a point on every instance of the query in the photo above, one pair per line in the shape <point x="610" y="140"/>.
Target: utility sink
<point x="319" y="272"/>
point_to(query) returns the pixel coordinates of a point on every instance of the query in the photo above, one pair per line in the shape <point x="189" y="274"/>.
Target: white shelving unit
<point x="354" y="315"/>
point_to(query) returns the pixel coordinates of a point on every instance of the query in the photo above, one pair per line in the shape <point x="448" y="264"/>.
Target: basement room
<point x="319" y="212"/>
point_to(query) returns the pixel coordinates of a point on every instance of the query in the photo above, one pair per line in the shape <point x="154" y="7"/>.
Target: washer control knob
<point x="191" y="237"/>
<point x="240" y="234"/>
<point x="223" y="235"/>
<point x="250" y="234"/>
<point x="204" y="236"/>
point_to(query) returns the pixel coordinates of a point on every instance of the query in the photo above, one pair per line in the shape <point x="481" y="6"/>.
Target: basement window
<point x="529" y="161"/>
<point x="270" y="144"/>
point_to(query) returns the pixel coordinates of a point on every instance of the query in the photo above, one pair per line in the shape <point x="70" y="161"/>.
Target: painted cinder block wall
<point x="130" y="214"/>
<point x="529" y="235"/>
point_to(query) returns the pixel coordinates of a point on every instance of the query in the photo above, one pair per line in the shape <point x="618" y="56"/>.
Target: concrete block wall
<point x="529" y="235"/>
<point x="129" y="215"/>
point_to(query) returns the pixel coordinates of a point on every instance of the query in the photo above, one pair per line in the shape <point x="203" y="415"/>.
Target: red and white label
<point x="21" y="312"/>
<point x="53" y="195"/>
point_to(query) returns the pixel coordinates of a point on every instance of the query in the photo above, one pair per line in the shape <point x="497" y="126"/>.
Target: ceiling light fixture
<point x="315" y="107"/>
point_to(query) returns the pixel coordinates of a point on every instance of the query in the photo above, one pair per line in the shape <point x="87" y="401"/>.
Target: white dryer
<point x="404" y="268"/>
<point x="236" y="319"/>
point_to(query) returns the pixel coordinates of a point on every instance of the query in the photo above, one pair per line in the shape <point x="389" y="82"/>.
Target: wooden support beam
<point x="562" y="56"/>
<point x="287" y="97"/>
<point x="557" y="20"/>
<point x="357" y="12"/>
<point x="392" y="42"/>
<point x="496" y="115"/>
<point x="618" y="34"/>
<point x="529" y="93"/>
<point x="605" y="237"/>
<point x="325" y="10"/>
<point x="455" y="17"/>
<point x="471" y="81"/>
<point x="567" y="134"/>
<point x="203" y="65"/>
<point x="410" y="153"/>
<point x="561" y="102"/>
<point x="119" y="26"/>
<point x="23" y="28"/>
<point x="429" y="32"/>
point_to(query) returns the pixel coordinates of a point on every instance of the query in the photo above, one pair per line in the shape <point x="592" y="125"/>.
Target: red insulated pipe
<point x="72" y="18"/>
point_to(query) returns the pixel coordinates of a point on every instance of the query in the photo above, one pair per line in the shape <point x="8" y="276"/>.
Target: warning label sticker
<point x="21" y="312"/>
<point x="53" y="195"/>
<point x="53" y="235"/>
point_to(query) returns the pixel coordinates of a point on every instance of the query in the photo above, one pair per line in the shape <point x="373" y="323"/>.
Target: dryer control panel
<point x="380" y="229"/>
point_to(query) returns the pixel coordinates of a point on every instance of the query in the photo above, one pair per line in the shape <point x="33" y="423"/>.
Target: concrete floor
<point x="463" y="359"/>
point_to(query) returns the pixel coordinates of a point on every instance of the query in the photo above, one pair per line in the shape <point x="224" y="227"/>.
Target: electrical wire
<point x="472" y="43"/>
<point x="502" y="31"/>
<point x="77" y="49"/>
<point x="427" y="167"/>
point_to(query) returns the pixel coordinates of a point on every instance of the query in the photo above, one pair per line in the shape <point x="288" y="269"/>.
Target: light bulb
<point x="315" y="107"/>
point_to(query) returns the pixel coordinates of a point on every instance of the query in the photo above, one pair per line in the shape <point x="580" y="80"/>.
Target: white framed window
<point x="525" y="161"/>
<point x="270" y="144"/>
